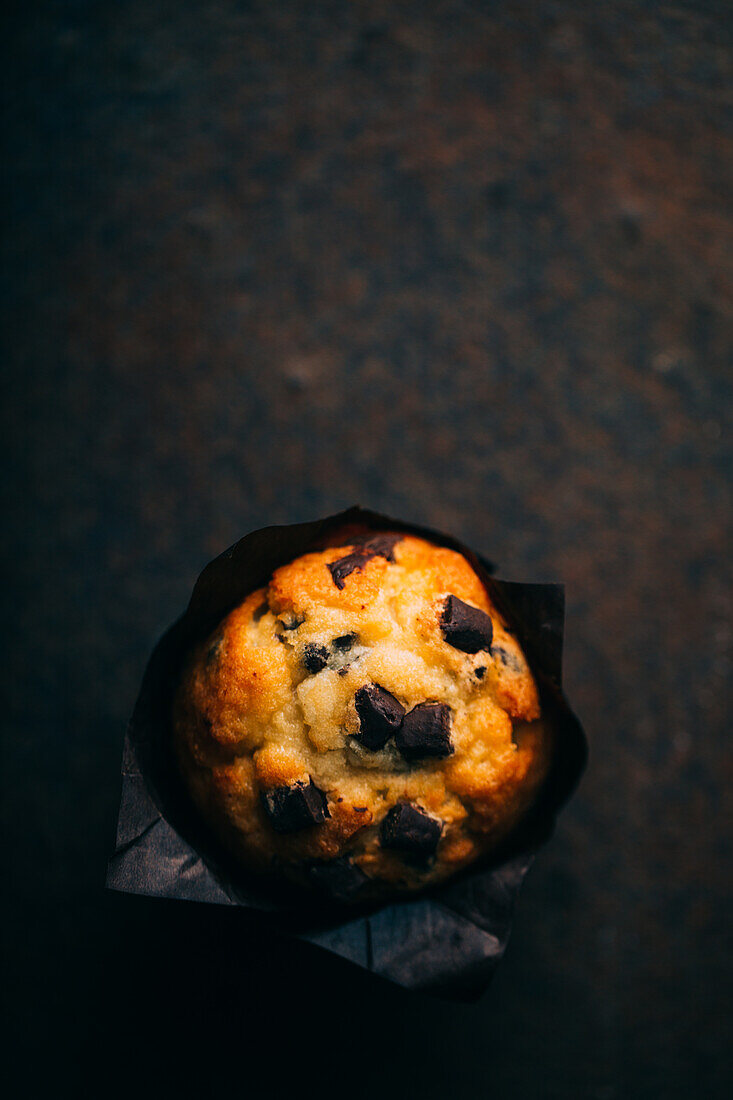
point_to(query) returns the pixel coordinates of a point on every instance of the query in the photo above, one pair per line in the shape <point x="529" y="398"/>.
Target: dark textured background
<point x="469" y="263"/>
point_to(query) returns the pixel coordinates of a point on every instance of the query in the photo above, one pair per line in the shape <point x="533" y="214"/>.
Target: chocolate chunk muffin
<point x="367" y="723"/>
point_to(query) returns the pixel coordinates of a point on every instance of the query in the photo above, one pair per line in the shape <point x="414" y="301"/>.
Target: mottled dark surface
<point x="467" y="263"/>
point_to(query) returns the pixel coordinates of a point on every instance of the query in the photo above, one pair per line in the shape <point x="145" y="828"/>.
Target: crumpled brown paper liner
<point x="448" y="940"/>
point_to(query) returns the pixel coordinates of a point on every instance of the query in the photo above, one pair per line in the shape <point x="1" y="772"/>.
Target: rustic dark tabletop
<point x="468" y="263"/>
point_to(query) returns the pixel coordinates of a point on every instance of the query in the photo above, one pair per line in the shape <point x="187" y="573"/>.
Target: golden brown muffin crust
<point x="361" y="713"/>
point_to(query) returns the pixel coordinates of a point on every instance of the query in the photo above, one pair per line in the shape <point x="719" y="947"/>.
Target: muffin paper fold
<point x="446" y="941"/>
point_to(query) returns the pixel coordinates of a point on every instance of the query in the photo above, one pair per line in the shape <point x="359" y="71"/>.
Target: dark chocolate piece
<point x="376" y="546"/>
<point x="425" y="731"/>
<point x="465" y="627"/>
<point x="341" y="569"/>
<point x="409" y="829"/>
<point x="381" y="545"/>
<point x="480" y="672"/>
<point x="344" y="643"/>
<point x="315" y="657"/>
<point x="341" y="878"/>
<point x="380" y="716"/>
<point x="292" y="808"/>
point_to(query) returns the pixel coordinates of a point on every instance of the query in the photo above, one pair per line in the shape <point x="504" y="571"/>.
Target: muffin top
<point x="366" y="723"/>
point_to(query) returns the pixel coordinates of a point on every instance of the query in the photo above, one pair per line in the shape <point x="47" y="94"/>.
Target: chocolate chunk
<point x="379" y="545"/>
<point x="315" y="657"/>
<point x="341" y="878"/>
<point x="480" y="672"/>
<point x="341" y="569"/>
<point x="380" y="716"/>
<point x="409" y="829"/>
<point x="465" y="627"/>
<point x="292" y="808"/>
<point x="344" y="643"/>
<point x="376" y="546"/>
<point x="425" y="731"/>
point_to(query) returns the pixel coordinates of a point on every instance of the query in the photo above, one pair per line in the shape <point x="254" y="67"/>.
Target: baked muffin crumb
<point x="366" y="723"/>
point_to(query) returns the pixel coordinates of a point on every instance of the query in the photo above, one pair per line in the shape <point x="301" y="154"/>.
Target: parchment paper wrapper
<point x="447" y="941"/>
